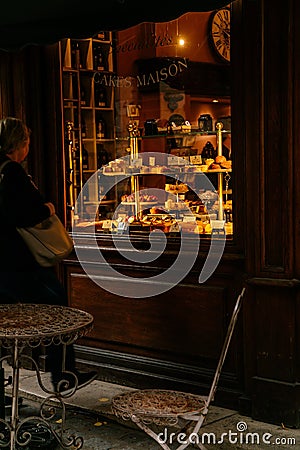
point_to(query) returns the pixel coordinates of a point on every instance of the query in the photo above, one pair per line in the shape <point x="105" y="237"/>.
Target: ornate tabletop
<point x="32" y="324"/>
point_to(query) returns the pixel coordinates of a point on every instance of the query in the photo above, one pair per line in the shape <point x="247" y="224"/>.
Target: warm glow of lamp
<point x="181" y="42"/>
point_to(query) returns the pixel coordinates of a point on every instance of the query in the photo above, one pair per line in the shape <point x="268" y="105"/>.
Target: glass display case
<point x="159" y="190"/>
<point x="147" y="122"/>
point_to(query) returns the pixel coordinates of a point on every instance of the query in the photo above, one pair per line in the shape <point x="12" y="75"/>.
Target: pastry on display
<point x="220" y="159"/>
<point x="226" y="164"/>
<point x="118" y="166"/>
<point x="157" y="210"/>
<point x="209" y="161"/>
<point x="190" y="209"/>
<point x="220" y="162"/>
<point x="203" y="167"/>
<point x="176" y="188"/>
<point x="144" y="198"/>
<point x="215" y="166"/>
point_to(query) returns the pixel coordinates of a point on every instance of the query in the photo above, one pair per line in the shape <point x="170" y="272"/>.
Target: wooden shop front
<point x="173" y="339"/>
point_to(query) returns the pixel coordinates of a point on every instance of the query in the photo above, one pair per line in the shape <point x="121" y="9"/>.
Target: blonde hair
<point x="13" y="134"/>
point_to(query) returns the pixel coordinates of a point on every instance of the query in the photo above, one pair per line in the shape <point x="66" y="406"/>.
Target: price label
<point x="188" y="218"/>
<point x="217" y="224"/>
<point x="106" y="224"/>
<point x="196" y="159"/>
<point x="172" y="160"/>
<point x="151" y="161"/>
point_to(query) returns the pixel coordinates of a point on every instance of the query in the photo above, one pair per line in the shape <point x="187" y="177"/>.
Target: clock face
<point x="220" y="33"/>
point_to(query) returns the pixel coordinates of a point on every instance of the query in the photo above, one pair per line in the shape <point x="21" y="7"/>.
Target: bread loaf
<point x="220" y="159"/>
<point x="226" y="165"/>
<point x="215" y="166"/>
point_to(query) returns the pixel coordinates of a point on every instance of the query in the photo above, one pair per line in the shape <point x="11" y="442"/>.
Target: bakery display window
<point x="147" y="115"/>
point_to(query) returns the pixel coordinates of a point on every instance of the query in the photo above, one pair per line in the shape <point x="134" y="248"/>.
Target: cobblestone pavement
<point x="99" y="433"/>
<point x="88" y="414"/>
<point x="102" y="433"/>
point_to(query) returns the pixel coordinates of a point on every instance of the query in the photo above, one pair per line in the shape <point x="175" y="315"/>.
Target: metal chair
<point x="151" y="409"/>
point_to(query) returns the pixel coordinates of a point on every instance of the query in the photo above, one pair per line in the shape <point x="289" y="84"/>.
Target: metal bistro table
<point x="31" y="325"/>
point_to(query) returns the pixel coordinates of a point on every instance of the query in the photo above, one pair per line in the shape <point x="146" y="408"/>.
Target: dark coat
<point x="21" y="205"/>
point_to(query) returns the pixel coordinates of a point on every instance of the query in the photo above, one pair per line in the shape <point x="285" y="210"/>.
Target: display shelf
<point x="88" y="108"/>
<point x="211" y="214"/>
<point x="141" y="203"/>
<point x="171" y="173"/>
<point x="179" y="134"/>
<point x="107" y="202"/>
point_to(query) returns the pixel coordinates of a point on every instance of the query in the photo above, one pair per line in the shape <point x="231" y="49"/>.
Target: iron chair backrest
<point x="225" y="347"/>
<point x="223" y="354"/>
<point x="148" y="407"/>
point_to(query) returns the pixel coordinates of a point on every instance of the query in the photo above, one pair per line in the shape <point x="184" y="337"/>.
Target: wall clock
<point x="219" y="32"/>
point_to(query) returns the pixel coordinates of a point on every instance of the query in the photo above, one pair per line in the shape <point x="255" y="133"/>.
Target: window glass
<point x="154" y="121"/>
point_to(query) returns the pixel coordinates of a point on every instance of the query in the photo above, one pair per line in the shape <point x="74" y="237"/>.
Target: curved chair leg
<point x="150" y="432"/>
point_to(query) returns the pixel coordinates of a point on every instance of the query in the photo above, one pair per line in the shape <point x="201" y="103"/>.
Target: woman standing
<point x="22" y="279"/>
